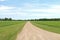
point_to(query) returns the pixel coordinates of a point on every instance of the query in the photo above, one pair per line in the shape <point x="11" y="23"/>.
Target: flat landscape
<point x="31" y="32"/>
<point x="9" y="29"/>
<point x="53" y="26"/>
<point x="29" y="19"/>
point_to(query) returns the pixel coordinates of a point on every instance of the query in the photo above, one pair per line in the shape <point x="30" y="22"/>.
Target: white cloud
<point x="2" y="0"/>
<point x="51" y="9"/>
<point x="2" y="7"/>
<point x="48" y="8"/>
<point x="23" y="13"/>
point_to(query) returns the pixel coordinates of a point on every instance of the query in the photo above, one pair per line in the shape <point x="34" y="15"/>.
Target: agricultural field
<point x="10" y="29"/>
<point x="53" y="26"/>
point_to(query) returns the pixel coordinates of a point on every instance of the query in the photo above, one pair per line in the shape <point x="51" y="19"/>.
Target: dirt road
<point x="31" y="32"/>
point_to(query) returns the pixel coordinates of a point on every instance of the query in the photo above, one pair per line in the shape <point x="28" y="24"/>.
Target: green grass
<point x="10" y="29"/>
<point x="53" y="26"/>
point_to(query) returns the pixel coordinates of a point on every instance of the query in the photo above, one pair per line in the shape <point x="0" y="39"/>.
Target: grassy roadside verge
<point x="9" y="29"/>
<point x="53" y="26"/>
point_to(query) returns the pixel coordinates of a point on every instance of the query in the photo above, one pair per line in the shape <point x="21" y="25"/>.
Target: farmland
<point x="53" y="26"/>
<point x="9" y="29"/>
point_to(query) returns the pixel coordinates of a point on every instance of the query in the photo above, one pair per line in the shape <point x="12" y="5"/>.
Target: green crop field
<point x="53" y="26"/>
<point x="10" y="29"/>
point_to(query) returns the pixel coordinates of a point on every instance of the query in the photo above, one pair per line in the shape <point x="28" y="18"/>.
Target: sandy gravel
<point x="31" y="32"/>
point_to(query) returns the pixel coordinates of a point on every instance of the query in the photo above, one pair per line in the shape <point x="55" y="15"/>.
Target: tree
<point x="10" y="19"/>
<point x="6" y="19"/>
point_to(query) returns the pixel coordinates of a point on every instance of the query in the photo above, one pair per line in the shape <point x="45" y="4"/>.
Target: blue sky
<point x="29" y="9"/>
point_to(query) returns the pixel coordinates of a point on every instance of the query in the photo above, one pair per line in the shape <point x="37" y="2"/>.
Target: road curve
<point x="31" y="32"/>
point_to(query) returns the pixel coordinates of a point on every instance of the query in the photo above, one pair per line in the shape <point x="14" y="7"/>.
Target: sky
<point x="29" y="9"/>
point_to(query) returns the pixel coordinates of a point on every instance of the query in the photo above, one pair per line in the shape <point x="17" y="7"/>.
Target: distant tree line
<point x="5" y="19"/>
<point x="44" y="19"/>
<point x="54" y="19"/>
